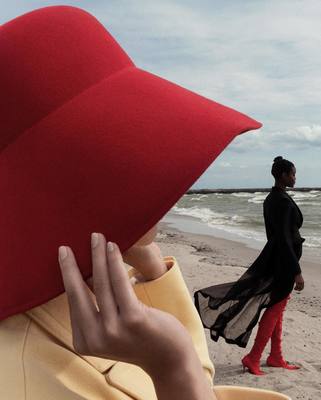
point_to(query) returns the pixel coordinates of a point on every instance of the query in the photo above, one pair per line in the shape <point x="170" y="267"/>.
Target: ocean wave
<point x="302" y="195"/>
<point x="246" y="234"/>
<point x="308" y="203"/>
<point x="242" y="194"/>
<point x="202" y="196"/>
<point x="312" y="241"/>
<point x="204" y="214"/>
<point x="238" y="219"/>
<point x="258" y="199"/>
<point x="228" y="223"/>
<point x="215" y="219"/>
<point x="241" y="214"/>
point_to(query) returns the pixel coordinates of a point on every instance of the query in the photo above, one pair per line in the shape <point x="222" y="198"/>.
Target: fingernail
<point x="62" y="253"/>
<point x="110" y="247"/>
<point x="94" y="239"/>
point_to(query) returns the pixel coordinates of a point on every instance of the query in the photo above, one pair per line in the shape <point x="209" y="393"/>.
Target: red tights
<point x="270" y="327"/>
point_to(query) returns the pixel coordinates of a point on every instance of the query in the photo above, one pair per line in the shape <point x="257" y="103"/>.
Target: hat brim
<point x="114" y="160"/>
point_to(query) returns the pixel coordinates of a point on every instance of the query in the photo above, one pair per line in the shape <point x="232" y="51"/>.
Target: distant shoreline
<point x="248" y="190"/>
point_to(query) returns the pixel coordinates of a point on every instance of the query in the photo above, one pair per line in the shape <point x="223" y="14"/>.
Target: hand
<point x="124" y="329"/>
<point x="147" y="259"/>
<point x="299" y="282"/>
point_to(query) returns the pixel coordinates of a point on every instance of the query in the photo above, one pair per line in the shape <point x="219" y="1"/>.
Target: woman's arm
<point x="170" y="294"/>
<point x="124" y="329"/>
<point x="284" y="238"/>
<point x="283" y="225"/>
<point x="185" y="382"/>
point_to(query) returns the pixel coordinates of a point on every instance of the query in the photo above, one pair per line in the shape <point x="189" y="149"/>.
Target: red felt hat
<point x="88" y="143"/>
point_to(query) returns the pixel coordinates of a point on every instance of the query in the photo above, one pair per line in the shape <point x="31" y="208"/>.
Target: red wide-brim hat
<point x="88" y="143"/>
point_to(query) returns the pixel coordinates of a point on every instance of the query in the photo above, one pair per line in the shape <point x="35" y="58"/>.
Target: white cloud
<point x="302" y="135"/>
<point x="297" y="138"/>
<point x="224" y="164"/>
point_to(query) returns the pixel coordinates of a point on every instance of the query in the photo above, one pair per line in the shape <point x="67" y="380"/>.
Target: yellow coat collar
<point x="54" y="318"/>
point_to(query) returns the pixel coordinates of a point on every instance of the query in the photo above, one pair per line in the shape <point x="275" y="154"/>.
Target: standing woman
<point x="231" y="310"/>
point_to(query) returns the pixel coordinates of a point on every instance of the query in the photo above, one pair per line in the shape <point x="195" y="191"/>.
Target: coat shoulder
<point x="277" y="198"/>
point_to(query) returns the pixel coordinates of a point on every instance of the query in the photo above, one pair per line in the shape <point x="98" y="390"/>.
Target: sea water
<point x="240" y="214"/>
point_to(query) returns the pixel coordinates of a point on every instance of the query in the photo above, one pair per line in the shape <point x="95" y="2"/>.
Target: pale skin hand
<point x="147" y="259"/>
<point x="125" y="329"/>
<point x="146" y="256"/>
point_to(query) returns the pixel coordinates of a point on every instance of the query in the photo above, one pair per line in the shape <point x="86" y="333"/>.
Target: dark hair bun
<point x="281" y="165"/>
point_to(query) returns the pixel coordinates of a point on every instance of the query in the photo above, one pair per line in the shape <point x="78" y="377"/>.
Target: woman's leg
<point x="266" y="328"/>
<point x="275" y="358"/>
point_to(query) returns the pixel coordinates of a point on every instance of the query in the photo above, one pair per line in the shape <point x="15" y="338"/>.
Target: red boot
<point x="275" y="358"/>
<point x="252" y="366"/>
<point x="264" y="333"/>
<point x="280" y="363"/>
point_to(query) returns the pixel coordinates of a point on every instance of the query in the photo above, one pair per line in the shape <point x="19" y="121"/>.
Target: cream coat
<point x="38" y="361"/>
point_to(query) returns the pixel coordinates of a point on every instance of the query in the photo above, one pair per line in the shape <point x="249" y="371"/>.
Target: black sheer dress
<point x="231" y="310"/>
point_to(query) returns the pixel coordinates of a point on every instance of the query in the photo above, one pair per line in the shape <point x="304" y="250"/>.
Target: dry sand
<point x="206" y="260"/>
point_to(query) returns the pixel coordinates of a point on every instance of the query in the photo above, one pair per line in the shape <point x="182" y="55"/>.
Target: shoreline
<point x="248" y="190"/>
<point x="192" y="225"/>
<point x="205" y="260"/>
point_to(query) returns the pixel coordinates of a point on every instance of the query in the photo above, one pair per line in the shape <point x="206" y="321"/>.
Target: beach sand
<point x="206" y="260"/>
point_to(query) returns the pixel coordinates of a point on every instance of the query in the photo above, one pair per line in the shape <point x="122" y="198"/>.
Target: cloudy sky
<point x="262" y="57"/>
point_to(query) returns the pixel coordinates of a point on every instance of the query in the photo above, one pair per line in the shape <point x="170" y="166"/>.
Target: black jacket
<point x="231" y="310"/>
<point x="279" y="258"/>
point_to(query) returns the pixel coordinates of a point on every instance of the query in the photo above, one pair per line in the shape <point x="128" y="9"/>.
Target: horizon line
<point x="230" y="190"/>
